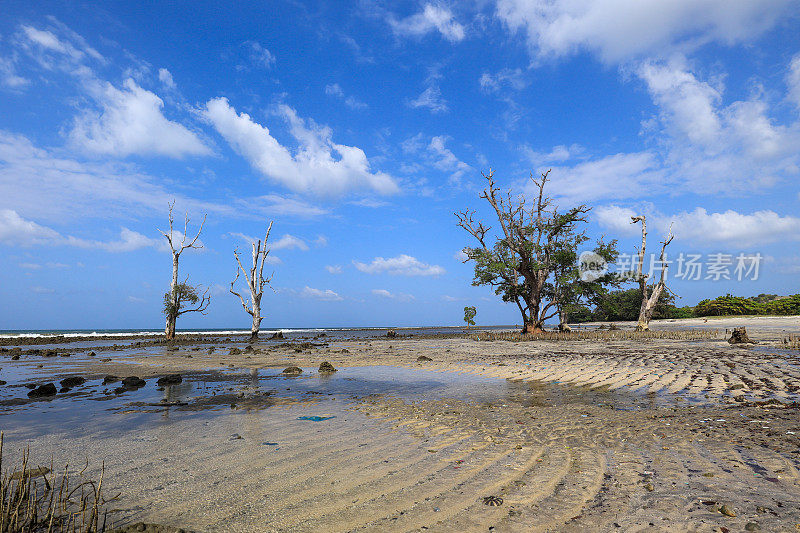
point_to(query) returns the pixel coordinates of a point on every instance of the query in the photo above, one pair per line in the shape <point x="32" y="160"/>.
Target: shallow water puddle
<point x="97" y="405"/>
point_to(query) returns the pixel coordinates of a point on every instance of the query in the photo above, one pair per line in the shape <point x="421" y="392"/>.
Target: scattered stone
<point x="727" y="511"/>
<point x="91" y="354"/>
<point x="276" y="335"/>
<point x="15" y="357"/>
<point x="249" y="349"/>
<point x="752" y="526"/>
<point x="110" y="379"/>
<point x="172" y="379"/>
<point x="235" y="436"/>
<point x="43" y="390"/>
<point x="235" y="351"/>
<point x="649" y="487"/>
<point x="739" y="336"/>
<point x="133" y="382"/>
<point x="72" y="381"/>
<point x="493" y="501"/>
<point x="423" y="358"/>
<point x="212" y="349"/>
<point x="326" y="367"/>
<point x="2" y="382"/>
<point x="391" y="334"/>
<point x="293" y="371"/>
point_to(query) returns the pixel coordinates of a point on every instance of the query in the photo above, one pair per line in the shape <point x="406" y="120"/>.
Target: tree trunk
<point x="256" y="320"/>
<point x="648" y="308"/>
<point x="172" y="317"/>
<point x="562" y="322"/>
<point x="531" y="323"/>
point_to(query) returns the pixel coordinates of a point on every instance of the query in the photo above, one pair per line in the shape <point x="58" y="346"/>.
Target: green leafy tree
<point x="469" y="315"/>
<point x="180" y="295"/>
<point x="177" y="301"/>
<point x="531" y="245"/>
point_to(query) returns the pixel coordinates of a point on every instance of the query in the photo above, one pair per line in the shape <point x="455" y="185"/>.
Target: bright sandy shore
<point x="557" y="451"/>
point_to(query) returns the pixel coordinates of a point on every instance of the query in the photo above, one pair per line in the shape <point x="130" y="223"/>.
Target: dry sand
<point x="653" y="435"/>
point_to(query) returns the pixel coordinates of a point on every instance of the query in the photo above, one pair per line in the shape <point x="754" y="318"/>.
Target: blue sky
<point x="359" y="128"/>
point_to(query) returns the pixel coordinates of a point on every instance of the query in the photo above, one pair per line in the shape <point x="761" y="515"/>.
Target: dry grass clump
<point x="599" y="335"/>
<point x="36" y="500"/>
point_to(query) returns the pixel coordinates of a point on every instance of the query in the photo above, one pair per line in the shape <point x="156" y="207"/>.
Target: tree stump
<point x="739" y="336"/>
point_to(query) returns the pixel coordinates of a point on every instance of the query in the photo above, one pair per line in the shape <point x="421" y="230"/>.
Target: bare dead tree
<point x="255" y="282"/>
<point x="524" y="256"/>
<point x="182" y="298"/>
<point x="650" y="293"/>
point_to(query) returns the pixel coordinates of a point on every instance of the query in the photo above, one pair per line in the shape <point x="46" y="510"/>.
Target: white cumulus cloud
<point x="318" y="294"/>
<point x="431" y="18"/>
<point x="400" y="297"/>
<point x="403" y="265"/>
<point x="701" y="227"/>
<point x="617" y="30"/>
<point x="131" y="121"/>
<point x="318" y="165"/>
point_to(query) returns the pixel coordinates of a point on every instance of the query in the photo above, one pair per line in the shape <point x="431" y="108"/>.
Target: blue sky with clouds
<point x="359" y="128"/>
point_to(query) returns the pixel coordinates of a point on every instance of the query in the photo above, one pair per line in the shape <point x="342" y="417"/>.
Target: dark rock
<point x="248" y="349"/>
<point x="212" y="349"/>
<point x="50" y="353"/>
<point x="326" y="367"/>
<point x="739" y="336"/>
<point x="2" y="382"/>
<point x="293" y="370"/>
<point x="276" y="335"/>
<point x="391" y="334"/>
<point x="72" y="381"/>
<point x="133" y="382"/>
<point x="15" y="357"/>
<point x="423" y="358"/>
<point x="172" y="379"/>
<point x="43" y="390"/>
<point x="91" y="354"/>
<point x="234" y="351"/>
<point x="110" y="379"/>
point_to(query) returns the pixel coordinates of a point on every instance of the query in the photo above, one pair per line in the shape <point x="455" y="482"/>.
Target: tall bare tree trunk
<point x="172" y="317"/>
<point x="255" y="282"/>
<point x="649" y="301"/>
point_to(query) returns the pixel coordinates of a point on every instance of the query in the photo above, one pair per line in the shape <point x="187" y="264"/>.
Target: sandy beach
<point x="654" y="434"/>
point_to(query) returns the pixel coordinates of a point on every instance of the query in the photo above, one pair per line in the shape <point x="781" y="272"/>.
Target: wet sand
<point x="654" y="435"/>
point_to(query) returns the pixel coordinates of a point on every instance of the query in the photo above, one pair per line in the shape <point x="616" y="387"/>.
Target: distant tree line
<point x="624" y="305"/>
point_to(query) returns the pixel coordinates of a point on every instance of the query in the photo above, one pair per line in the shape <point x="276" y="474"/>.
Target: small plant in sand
<point x="36" y="500"/>
<point x="469" y="315"/>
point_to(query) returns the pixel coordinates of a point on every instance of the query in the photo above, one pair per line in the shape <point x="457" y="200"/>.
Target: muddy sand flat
<point x="617" y="435"/>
